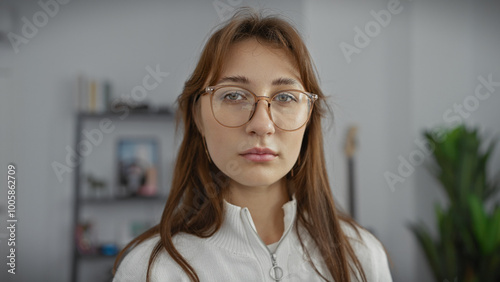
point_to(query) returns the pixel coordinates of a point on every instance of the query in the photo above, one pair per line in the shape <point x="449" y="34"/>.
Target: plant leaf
<point x="430" y="250"/>
<point x="492" y="239"/>
<point x="479" y="220"/>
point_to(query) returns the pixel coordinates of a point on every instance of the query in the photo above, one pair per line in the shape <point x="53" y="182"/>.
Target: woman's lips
<point x="259" y="154"/>
<point x="259" y="157"/>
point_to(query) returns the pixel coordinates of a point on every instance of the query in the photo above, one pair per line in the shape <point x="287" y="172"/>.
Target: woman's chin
<point x="253" y="174"/>
<point x="256" y="181"/>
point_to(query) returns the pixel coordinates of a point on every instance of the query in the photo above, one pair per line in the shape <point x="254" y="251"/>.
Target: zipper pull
<point x="276" y="272"/>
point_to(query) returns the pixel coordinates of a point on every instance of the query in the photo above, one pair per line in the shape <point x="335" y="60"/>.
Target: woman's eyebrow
<point x="285" y="81"/>
<point x="245" y="80"/>
<point x="237" y="79"/>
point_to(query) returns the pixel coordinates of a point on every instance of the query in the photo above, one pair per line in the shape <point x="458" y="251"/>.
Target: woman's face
<point x="264" y="71"/>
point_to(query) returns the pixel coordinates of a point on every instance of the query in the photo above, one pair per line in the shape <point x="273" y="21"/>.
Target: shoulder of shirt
<point x="369" y="251"/>
<point x="134" y="264"/>
<point x="359" y="234"/>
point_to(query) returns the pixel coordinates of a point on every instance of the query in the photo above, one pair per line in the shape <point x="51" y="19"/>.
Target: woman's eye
<point x="233" y="96"/>
<point x="284" y="97"/>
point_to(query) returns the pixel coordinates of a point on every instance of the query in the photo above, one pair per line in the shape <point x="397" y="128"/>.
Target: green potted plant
<point x="467" y="245"/>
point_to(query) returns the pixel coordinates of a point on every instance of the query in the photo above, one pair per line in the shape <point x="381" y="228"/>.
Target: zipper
<point x="276" y="272"/>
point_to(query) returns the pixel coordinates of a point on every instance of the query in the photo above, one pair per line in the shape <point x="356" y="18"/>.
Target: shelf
<point x="94" y="256"/>
<point x="134" y="113"/>
<point x="124" y="199"/>
<point x="139" y="119"/>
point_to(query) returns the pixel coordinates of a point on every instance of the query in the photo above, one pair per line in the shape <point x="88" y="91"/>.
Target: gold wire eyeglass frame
<point x="210" y="90"/>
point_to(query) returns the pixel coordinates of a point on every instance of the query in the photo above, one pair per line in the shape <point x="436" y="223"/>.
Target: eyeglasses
<point x="234" y="106"/>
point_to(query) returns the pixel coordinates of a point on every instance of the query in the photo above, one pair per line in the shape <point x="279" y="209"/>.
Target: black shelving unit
<point x="79" y="201"/>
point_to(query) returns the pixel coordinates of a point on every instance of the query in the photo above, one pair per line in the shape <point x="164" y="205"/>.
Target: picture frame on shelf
<point x="85" y="241"/>
<point x="137" y="166"/>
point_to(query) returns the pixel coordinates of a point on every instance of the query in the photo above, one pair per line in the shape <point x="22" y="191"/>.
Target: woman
<point x="250" y="198"/>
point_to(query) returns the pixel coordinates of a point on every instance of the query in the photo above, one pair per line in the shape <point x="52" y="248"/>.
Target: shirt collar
<point x="233" y="233"/>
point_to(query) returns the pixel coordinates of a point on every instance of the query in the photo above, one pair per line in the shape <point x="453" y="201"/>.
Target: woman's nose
<point x="261" y="122"/>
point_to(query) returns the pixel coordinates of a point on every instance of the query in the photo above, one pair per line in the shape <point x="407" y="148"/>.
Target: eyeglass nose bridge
<point x="257" y="100"/>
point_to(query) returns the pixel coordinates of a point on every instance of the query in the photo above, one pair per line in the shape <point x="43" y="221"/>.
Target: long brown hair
<point x="195" y="202"/>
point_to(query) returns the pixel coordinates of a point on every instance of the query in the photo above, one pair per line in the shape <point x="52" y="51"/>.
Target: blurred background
<point x="101" y="78"/>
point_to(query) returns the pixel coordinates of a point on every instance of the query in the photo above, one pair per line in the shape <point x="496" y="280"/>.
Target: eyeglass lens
<point x="233" y="107"/>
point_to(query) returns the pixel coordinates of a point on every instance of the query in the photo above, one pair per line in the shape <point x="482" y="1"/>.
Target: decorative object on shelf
<point x="137" y="167"/>
<point x="97" y="186"/>
<point x="84" y="242"/>
<point x="166" y="109"/>
<point x="121" y="105"/>
<point x="93" y="95"/>
<point x="108" y="249"/>
<point x="467" y="247"/>
<point x="107" y="95"/>
<point x="137" y="227"/>
<point x="349" y="150"/>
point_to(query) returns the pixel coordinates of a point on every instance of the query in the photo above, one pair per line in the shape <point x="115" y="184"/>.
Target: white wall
<point x="423" y="62"/>
<point x="426" y="59"/>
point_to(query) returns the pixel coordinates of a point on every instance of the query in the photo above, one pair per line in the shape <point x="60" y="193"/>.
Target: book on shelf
<point x="93" y="95"/>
